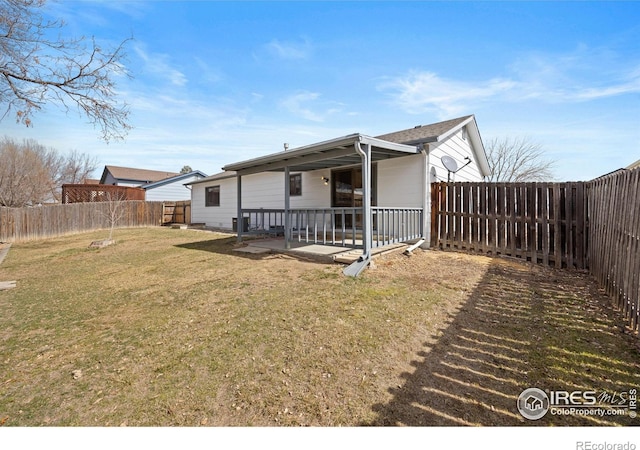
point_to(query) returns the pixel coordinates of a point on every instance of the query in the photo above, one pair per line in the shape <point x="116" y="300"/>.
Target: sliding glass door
<point x="346" y="192"/>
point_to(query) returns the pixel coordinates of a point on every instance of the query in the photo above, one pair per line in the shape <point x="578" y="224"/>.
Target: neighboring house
<point x="172" y="189"/>
<point x="635" y="165"/>
<point x="159" y="185"/>
<point x="354" y="190"/>
<point x="127" y="176"/>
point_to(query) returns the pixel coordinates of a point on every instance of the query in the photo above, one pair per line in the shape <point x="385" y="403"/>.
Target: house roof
<point x="131" y="174"/>
<point x="341" y="151"/>
<point x="437" y="132"/>
<point x="422" y="134"/>
<point x="333" y="153"/>
<point x="177" y="178"/>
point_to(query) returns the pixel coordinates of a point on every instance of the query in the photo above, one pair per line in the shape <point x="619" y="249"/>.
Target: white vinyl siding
<point x="175" y="191"/>
<point x="457" y="148"/>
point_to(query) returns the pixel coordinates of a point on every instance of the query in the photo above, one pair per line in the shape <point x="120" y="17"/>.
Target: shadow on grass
<point x="524" y="326"/>
<point x="226" y="246"/>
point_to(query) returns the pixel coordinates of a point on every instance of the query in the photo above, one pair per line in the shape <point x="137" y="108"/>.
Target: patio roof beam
<point x="294" y="163"/>
<point x="334" y="153"/>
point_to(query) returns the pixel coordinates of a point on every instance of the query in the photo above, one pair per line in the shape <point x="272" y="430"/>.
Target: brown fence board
<point x="83" y="193"/>
<point x="593" y="225"/>
<point x="25" y="224"/>
<point x="613" y="204"/>
<point x="538" y="222"/>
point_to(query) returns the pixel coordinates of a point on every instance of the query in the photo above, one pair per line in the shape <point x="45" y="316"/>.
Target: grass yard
<point x="170" y="327"/>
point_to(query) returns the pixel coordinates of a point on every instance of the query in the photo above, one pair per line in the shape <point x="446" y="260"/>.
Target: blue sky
<point x="219" y="82"/>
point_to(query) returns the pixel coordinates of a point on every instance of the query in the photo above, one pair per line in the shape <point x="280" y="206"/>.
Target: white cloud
<point x="570" y="78"/>
<point x="289" y="50"/>
<point x="158" y="65"/>
<point x="306" y="105"/>
<point x="420" y="92"/>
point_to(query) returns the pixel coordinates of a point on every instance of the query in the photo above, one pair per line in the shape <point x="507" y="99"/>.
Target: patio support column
<point x="287" y="205"/>
<point x="426" y="196"/>
<point x="239" y="221"/>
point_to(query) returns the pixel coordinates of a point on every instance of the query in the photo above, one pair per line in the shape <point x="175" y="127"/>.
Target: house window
<point x="295" y="184"/>
<point x="212" y="196"/>
<point x="464" y="133"/>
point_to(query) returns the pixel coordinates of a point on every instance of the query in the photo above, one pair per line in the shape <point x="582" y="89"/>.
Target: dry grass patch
<point x="169" y="327"/>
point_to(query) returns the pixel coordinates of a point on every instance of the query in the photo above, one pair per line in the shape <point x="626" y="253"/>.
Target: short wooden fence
<point x="25" y="224"/>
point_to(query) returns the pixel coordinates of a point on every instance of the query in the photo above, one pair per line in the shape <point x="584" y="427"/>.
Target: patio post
<point x="239" y="220"/>
<point x="287" y="205"/>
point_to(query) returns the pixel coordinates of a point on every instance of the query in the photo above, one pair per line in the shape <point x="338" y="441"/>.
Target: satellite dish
<point x="449" y="163"/>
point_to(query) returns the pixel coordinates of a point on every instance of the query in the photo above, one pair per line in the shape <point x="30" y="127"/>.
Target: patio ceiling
<point x="323" y="155"/>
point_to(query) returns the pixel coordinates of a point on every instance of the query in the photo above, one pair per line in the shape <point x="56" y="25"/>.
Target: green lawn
<point x="170" y="327"/>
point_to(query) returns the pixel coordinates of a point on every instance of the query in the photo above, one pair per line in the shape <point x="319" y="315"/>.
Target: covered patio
<point x="362" y="226"/>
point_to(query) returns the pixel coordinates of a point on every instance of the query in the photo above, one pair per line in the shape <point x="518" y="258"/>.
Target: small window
<point x="212" y="196"/>
<point x="464" y="133"/>
<point x="295" y="184"/>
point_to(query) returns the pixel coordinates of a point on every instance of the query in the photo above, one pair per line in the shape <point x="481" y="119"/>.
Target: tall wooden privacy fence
<point x="24" y="224"/>
<point x="614" y="235"/>
<point x="540" y="222"/>
<point x="583" y="225"/>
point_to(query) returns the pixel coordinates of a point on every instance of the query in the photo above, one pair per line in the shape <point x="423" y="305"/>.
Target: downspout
<point x="367" y="234"/>
<point x="425" y="240"/>
<point x="367" y="231"/>
<point x="426" y="210"/>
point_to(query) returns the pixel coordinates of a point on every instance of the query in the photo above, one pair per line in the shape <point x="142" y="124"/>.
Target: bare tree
<point x="36" y="70"/>
<point x="518" y="160"/>
<point x="76" y="168"/>
<point x="115" y="211"/>
<point x="31" y="173"/>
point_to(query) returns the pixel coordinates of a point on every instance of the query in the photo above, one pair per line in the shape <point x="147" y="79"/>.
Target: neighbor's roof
<point x="214" y="177"/>
<point x="142" y="175"/>
<point x="180" y="177"/>
<point x="634" y="165"/>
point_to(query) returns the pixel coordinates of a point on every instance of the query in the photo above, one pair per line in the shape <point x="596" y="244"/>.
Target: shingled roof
<point x="423" y="133"/>
<point x="141" y="175"/>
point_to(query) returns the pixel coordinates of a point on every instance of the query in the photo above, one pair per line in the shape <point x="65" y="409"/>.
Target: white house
<point x="158" y="185"/>
<point x="355" y="190"/>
